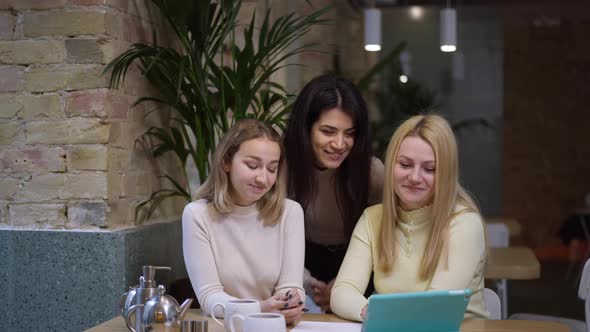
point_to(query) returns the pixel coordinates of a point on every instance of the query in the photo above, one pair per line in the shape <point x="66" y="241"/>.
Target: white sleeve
<point x="347" y="298"/>
<point x="291" y="275"/>
<point x="199" y="260"/>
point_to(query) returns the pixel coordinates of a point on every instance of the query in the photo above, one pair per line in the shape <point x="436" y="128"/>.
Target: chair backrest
<point x="584" y="287"/>
<point x="583" y="290"/>
<point x="492" y="302"/>
<point x="498" y="234"/>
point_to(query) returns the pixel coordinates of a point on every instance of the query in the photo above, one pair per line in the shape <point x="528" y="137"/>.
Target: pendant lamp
<point x="448" y="30"/>
<point x="372" y="29"/>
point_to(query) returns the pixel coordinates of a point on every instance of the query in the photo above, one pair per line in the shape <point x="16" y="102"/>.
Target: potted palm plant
<point x="209" y="81"/>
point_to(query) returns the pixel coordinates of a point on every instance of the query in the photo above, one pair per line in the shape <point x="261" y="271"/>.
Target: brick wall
<point x="67" y="156"/>
<point x="67" y="153"/>
<point x="546" y="115"/>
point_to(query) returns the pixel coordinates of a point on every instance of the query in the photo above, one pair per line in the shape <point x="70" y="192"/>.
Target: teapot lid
<point x="161" y="308"/>
<point x="163" y="297"/>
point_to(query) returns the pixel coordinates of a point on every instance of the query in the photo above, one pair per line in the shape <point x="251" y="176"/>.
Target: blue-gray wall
<point x="72" y="280"/>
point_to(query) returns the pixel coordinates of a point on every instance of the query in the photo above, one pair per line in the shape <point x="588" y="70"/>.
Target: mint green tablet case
<point x="433" y="311"/>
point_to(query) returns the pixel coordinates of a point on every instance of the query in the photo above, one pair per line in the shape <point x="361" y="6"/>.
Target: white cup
<point x="232" y="307"/>
<point x="266" y="322"/>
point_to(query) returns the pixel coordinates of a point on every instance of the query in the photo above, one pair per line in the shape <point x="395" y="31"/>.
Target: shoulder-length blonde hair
<point x="435" y="130"/>
<point x="216" y="188"/>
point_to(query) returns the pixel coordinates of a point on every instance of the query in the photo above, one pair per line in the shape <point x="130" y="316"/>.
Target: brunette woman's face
<point x="332" y="138"/>
<point x="413" y="173"/>
<point x="253" y="170"/>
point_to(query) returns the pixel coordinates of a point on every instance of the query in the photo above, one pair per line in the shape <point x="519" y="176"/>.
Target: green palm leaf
<point x="201" y="90"/>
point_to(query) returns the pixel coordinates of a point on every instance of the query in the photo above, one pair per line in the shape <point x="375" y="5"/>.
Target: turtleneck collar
<point x="244" y="211"/>
<point x="416" y="217"/>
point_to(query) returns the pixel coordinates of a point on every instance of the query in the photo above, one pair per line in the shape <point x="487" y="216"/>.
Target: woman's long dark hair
<point x="321" y="94"/>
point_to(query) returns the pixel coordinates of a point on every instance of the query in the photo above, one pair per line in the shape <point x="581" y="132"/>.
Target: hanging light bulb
<point x="372" y="29"/>
<point x="405" y="60"/>
<point x="458" y="66"/>
<point x="448" y="30"/>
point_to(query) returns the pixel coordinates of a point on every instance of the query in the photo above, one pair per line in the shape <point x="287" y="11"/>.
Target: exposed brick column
<point x="67" y="156"/>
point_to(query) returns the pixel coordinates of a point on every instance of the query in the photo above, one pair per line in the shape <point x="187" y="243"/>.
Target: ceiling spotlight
<point x="416" y="12"/>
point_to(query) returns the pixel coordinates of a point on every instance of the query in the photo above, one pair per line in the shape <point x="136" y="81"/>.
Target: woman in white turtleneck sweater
<point x="242" y="238"/>
<point x="428" y="233"/>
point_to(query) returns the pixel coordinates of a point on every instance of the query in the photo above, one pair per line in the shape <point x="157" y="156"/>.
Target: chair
<point x="576" y="232"/>
<point x="498" y="236"/>
<point x="584" y="223"/>
<point x="574" y="324"/>
<point x="492" y="302"/>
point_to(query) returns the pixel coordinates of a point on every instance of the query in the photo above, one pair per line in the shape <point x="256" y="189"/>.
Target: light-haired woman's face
<point x="413" y="173"/>
<point x="332" y="138"/>
<point x="253" y="170"/>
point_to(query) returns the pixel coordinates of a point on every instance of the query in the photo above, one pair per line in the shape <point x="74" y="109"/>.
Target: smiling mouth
<point x="413" y="188"/>
<point x="258" y="189"/>
<point x="334" y="155"/>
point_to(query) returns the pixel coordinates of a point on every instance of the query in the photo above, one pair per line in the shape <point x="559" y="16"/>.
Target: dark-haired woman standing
<point x="331" y="173"/>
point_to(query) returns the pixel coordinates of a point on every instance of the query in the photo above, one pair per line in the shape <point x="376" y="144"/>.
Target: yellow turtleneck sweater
<point x="464" y="268"/>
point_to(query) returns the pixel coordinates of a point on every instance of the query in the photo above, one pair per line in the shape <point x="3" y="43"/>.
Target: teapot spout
<point x="184" y="307"/>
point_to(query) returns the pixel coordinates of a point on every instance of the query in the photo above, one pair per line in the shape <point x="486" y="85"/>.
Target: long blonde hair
<point x="216" y="188"/>
<point x="435" y="130"/>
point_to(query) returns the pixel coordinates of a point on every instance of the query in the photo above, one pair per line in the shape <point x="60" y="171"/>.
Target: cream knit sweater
<point x="465" y="269"/>
<point x="237" y="256"/>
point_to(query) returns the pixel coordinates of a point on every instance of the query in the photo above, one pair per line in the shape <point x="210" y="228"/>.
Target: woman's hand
<point x="321" y="294"/>
<point x="290" y="305"/>
<point x="273" y="303"/>
<point x="364" y="311"/>
<point x="294" y="308"/>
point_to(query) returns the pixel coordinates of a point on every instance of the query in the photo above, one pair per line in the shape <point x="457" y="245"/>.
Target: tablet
<point x="432" y="311"/>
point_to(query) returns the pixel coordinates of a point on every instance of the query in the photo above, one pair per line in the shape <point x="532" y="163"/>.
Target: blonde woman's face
<point x="332" y="138"/>
<point x="253" y="170"/>
<point x="413" y="173"/>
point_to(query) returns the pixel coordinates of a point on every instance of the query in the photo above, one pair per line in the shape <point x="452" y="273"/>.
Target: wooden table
<point x="118" y="325"/>
<point x="510" y="263"/>
<point x="513" y="263"/>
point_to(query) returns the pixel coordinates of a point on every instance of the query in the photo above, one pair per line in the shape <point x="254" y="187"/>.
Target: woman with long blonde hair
<point x="426" y="235"/>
